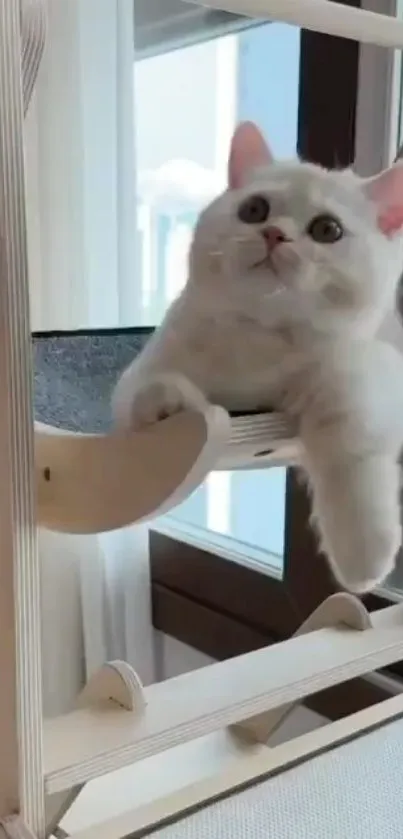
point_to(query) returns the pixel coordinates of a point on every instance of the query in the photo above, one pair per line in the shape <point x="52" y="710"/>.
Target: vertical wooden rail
<point x="21" y="765"/>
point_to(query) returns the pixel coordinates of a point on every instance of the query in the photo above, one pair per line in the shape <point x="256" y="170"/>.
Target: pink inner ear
<point x="386" y="191"/>
<point x="391" y="221"/>
<point x="249" y="150"/>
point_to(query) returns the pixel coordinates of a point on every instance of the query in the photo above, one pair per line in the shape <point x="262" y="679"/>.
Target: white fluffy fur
<point x="297" y="334"/>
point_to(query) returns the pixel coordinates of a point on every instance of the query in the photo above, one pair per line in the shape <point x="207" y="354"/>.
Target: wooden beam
<point x="21" y="769"/>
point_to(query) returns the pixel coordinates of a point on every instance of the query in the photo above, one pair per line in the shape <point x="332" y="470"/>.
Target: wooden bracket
<point x="117" y="682"/>
<point x="340" y="608"/>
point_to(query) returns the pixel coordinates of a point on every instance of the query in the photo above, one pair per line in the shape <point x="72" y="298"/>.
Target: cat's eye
<point x="325" y="229"/>
<point x="254" y="210"/>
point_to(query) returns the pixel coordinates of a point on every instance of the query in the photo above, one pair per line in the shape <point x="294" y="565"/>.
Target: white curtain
<point x="80" y="157"/>
<point x="81" y="169"/>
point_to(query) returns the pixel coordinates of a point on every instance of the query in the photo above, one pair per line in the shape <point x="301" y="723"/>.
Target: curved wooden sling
<point x="88" y="483"/>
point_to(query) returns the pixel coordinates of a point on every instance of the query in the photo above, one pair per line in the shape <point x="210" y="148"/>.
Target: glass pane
<point x="244" y="510"/>
<point x="183" y="135"/>
<point x="122" y="153"/>
<point x="183" y="132"/>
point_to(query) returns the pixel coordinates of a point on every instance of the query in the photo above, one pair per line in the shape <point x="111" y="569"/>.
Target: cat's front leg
<point x="351" y="428"/>
<point x="357" y="514"/>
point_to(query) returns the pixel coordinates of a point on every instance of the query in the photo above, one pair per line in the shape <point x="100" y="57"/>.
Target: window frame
<point x="174" y="28"/>
<point x="219" y="606"/>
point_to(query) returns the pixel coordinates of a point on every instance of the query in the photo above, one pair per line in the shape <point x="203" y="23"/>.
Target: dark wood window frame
<point x="223" y="608"/>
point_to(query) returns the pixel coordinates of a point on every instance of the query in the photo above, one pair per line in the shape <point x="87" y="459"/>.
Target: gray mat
<point x="75" y="374"/>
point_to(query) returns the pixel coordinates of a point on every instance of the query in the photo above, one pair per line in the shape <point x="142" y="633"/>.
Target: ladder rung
<point x="90" y="742"/>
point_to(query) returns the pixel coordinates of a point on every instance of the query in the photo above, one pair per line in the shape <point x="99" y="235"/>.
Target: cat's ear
<point x="386" y="192"/>
<point x="248" y="151"/>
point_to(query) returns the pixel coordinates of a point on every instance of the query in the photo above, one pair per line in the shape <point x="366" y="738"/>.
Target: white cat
<point x="291" y="272"/>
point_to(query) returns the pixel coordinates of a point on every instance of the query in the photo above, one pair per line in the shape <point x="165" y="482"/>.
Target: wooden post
<point x="21" y="767"/>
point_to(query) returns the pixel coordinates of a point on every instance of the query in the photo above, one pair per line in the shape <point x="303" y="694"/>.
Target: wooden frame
<point x="21" y="768"/>
<point x="118" y="721"/>
<point x="339" y="640"/>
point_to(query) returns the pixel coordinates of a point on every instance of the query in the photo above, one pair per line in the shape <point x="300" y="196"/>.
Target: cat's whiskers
<point x="290" y="255"/>
<point x="267" y="260"/>
<point x="284" y="259"/>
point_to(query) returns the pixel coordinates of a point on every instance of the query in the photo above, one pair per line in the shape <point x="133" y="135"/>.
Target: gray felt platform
<point x="75" y="374"/>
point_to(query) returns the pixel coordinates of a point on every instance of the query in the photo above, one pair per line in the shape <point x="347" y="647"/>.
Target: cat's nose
<point x="273" y="236"/>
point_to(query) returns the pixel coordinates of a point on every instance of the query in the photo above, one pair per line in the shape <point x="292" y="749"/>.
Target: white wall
<point x="174" y="658"/>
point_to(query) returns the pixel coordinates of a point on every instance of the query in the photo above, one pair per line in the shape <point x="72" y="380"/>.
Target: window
<point x="183" y="137"/>
<point x="183" y="132"/>
<point x="345" y="113"/>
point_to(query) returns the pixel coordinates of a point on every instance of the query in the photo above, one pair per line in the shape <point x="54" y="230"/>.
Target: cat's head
<point x="295" y="239"/>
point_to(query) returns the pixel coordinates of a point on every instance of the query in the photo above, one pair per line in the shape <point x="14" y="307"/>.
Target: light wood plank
<point x="21" y="768"/>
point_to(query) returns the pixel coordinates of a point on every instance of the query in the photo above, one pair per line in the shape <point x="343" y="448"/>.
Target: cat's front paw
<point x="150" y="404"/>
<point x="153" y="401"/>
